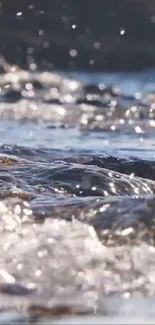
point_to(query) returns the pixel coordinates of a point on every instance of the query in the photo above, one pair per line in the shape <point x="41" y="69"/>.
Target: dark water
<point x="77" y="184"/>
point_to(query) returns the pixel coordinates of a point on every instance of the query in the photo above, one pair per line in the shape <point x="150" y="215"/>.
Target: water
<point x="77" y="190"/>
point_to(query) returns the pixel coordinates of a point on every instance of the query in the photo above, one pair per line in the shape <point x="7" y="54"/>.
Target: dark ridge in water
<point x="137" y="167"/>
<point x="130" y="166"/>
<point x="61" y="177"/>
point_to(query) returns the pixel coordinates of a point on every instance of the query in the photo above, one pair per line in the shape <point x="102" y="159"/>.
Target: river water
<point x="77" y="208"/>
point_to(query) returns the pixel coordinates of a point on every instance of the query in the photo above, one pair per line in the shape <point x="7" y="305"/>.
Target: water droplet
<point x="31" y="7"/>
<point x="32" y="66"/>
<point x="113" y="127"/>
<point x="38" y="273"/>
<point x="122" y="31"/>
<point x="18" y="14"/>
<point x="40" y="32"/>
<point x="74" y="26"/>
<point x="91" y="62"/>
<point x="19" y="266"/>
<point x="138" y="129"/>
<point x="73" y="53"/>
<point x="97" y="45"/>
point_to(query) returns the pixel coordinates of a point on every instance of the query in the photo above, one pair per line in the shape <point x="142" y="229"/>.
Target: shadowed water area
<point x="77" y="197"/>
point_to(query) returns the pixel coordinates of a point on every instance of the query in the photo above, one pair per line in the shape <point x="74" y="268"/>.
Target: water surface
<point x="77" y="190"/>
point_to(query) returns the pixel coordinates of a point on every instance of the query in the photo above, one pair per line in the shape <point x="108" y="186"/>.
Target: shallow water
<point x="77" y="190"/>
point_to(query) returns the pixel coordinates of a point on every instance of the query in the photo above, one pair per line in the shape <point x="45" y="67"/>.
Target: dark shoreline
<point x="47" y="31"/>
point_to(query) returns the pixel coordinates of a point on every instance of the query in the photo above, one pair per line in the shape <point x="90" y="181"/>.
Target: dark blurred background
<point x="78" y="34"/>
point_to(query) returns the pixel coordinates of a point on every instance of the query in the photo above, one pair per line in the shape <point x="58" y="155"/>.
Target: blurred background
<point x="91" y="35"/>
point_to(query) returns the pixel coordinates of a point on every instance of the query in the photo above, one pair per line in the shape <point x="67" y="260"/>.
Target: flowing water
<point x="77" y="197"/>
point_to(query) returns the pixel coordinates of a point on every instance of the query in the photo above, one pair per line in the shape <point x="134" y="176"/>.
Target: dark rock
<point x="11" y="96"/>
